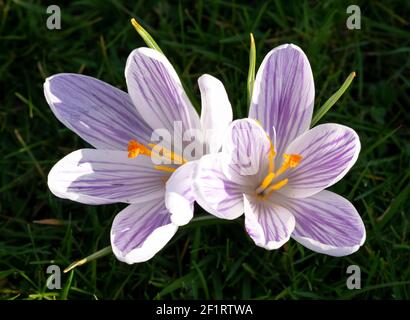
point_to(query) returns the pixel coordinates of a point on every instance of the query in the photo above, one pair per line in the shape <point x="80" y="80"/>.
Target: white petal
<point x="159" y="96"/>
<point x="179" y="198"/>
<point x="216" y="112"/>
<point x="214" y="192"/>
<point x="245" y="153"/>
<point x="103" y="176"/>
<point x="326" y="223"/>
<point x="101" y="114"/>
<point x="141" y="230"/>
<point x="328" y="152"/>
<point x="268" y="224"/>
<point x="283" y="94"/>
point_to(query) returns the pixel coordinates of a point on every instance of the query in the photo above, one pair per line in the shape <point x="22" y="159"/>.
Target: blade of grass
<point x="25" y="148"/>
<point x="67" y="287"/>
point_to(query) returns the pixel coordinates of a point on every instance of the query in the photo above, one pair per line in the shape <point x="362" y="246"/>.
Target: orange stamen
<point x="165" y="168"/>
<point x="290" y="161"/>
<point x="135" y="149"/>
<point x="268" y="191"/>
<point x="161" y="150"/>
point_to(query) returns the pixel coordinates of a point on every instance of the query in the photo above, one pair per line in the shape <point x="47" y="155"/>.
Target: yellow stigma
<point x="271" y="156"/>
<point x="290" y="161"/>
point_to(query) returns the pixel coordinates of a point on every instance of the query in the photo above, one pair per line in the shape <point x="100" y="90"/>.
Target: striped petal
<point x="216" y="111"/>
<point x="268" y="224"/>
<point x="283" y="94"/>
<point x="103" y="176"/>
<point x="326" y="223"/>
<point x="141" y="230"/>
<point x="214" y="192"/>
<point x="101" y="114"/>
<point x="246" y="152"/>
<point x="158" y="95"/>
<point x="328" y="152"/>
<point x="179" y="197"/>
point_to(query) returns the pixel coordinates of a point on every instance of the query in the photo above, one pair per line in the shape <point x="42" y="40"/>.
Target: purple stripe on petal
<point x="141" y="230"/>
<point x="328" y="152"/>
<point x="268" y="224"/>
<point x="83" y="177"/>
<point x="214" y="192"/>
<point x="101" y="114"/>
<point x="158" y="94"/>
<point x="283" y="94"/>
<point x="326" y="223"/>
<point x="246" y="148"/>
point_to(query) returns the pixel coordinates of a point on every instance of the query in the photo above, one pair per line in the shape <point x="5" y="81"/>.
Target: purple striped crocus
<point x="274" y="169"/>
<point x="121" y="127"/>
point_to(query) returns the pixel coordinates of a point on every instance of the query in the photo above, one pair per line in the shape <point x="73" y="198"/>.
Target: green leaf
<point x="146" y="36"/>
<point x="333" y="99"/>
<point x="67" y="287"/>
<point x="251" y="72"/>
<point x="176" y="284"/>
<point x="395" y="206"/>
<point x="98" y="254"/>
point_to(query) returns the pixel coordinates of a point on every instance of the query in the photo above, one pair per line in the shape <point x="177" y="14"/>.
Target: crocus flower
<point x="274" y="169"/>
<point x="122" y="168"/>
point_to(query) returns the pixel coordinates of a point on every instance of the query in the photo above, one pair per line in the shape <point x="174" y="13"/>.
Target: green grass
<point x="208" y="258"/>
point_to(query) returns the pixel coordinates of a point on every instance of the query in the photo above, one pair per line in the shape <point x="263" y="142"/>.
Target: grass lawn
<point x="209" y="258"/>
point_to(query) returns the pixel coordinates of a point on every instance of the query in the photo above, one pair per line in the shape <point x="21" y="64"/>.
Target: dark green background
<point x="210" y="258"/>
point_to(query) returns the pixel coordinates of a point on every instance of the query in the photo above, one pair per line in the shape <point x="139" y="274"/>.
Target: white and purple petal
<point x="328" y="152"/>
<point x="216" y="111"/>
<point x="245" y="152"/>
<point x="159" y="96"/>
<point x="141" y="230"/>
<point x="283" y="94"/>
<point x="94" y="176"/>
<point x="326" y="223"/>
<point x="214" y="192"/>
<point x="101" y="114"/>
<point x="268" y="224"/>
<point x="179" y="196"/>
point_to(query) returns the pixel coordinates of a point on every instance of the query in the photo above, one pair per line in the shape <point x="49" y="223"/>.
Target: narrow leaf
<point x="67" y="287"/>
<point x="251" y="72"/>
<point x="333" y="99"/>
<point x="145" y="36"/>
<point x="98" y="254"/>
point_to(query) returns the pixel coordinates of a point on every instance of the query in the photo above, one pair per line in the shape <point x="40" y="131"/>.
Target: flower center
<point x="136" y="148"/>
<point x="268" y="184"/>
